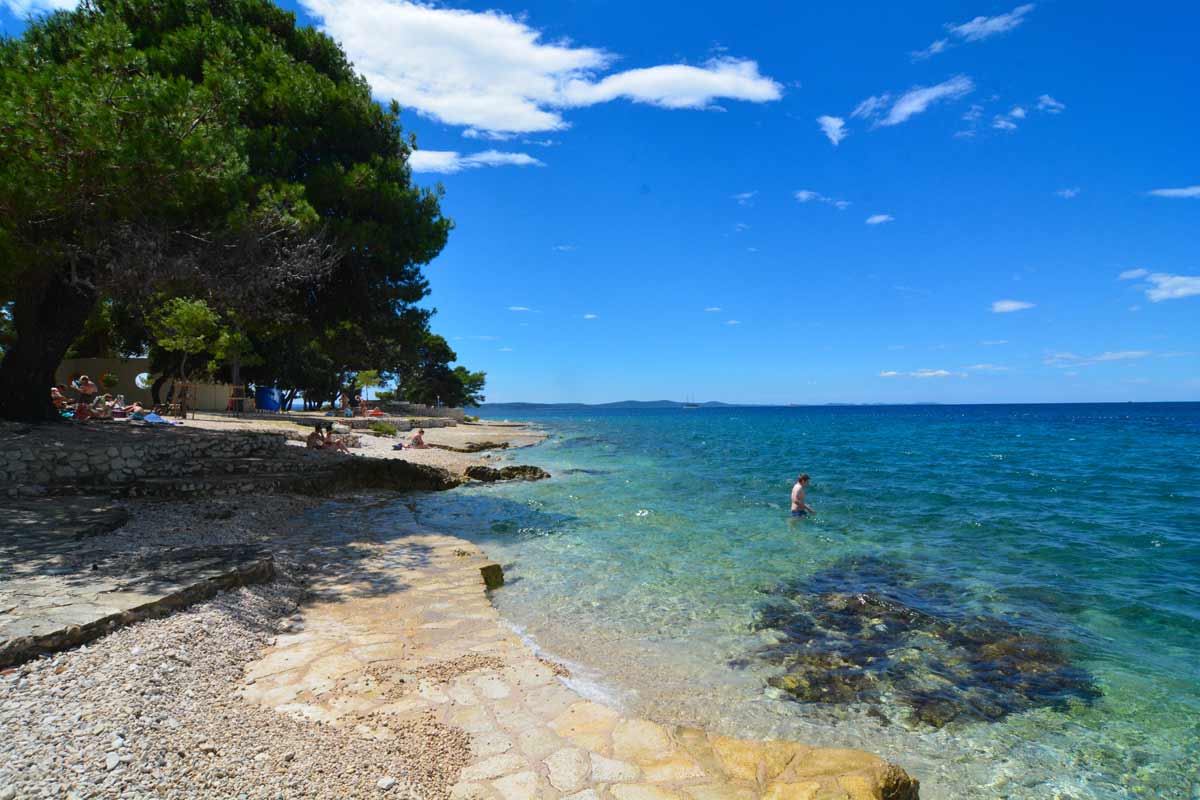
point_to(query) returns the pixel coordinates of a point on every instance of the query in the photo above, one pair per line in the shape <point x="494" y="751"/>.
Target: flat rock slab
<point x="422" y="641"/>
<point x="66" y="518"/>
<point x="58" y="597"/>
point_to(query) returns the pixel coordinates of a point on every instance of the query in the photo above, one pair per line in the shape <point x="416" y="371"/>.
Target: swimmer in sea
<point x="799" y="507"/>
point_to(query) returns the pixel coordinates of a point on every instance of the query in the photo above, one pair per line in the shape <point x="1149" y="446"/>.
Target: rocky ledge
<point x="519" y="472"/>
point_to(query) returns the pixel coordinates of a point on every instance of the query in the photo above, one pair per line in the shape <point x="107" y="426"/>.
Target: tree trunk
<point x="289" y="397"/>
<point x="46" y="320"/>
<point x="156" y="389"/>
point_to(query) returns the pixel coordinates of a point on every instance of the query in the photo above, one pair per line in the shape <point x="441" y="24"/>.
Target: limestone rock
<point x="511" y="473"/>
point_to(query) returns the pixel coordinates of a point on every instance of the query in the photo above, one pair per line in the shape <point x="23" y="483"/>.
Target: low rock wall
<point x="119" y="459"/>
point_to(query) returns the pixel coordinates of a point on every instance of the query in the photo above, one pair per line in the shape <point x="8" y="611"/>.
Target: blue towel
<point x="155" y="419"/>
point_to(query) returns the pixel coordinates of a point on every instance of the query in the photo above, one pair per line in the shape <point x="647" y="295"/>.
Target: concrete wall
<point x="126" y="369"/>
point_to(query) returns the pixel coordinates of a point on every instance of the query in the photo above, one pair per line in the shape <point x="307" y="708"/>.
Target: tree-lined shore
<point x="214" y="186"/>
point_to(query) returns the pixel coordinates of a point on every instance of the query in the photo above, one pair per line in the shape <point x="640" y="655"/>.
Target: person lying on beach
<point x="418" y="440"/>
<point x="335" y="444"/>
<point x="801" y="508"/>
<point x="57" y="397"/>
<point x="314" y="441"/>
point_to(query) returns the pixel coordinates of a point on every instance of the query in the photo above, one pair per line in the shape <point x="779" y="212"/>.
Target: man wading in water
<point x="799" y="507"/>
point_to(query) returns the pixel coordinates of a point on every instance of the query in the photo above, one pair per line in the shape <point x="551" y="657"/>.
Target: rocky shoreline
<point x="183" y="707"/>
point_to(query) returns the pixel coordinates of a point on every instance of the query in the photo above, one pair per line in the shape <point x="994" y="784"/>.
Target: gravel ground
<point x="152" y="710"/>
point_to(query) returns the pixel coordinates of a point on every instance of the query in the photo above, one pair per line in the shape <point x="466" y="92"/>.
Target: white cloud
<point x="741" y="227"/>
<point x="450" y="161"/>
<point x="974" y="113"/>
<point x="1172" y="287"/>
<point x="935" y="47"/>
<point x="1186" y="191"/>
<point x="678" y="86"/>
<point x="564" y="248"/>
<point x="920" y="98"/>
<point x="871" y="107"/>
<point x="504" y="350"/>
<point x="745" y="198"/>
<point x="519" y="308"/>
<point x="986" y="368"/>
<point x="23" y="8"/>
<point x="993" y="342"/>
<point x="712" y="309"/>
<point x="1004" y="124"/>
<point x="1017" y="112"/>
<point x="733" y="322"/>
<point x="1008" y="306"/>
<point x="1068" y="194"/>
<point x="1161" y="286"/>
<point x="976" y="30"/>
<point x="808" y="196"/>
<point x="591" y="316"/>
<point x="921" y="373"/>
<point x="981" y="28"/>
<point x="1066" y="360"/>
<point x="1050" y="105"/>
<point x="833" y="127"/>
<point x="491" y="136"/>
<point x="493" y="72"/>
<point x="879" y="219"/>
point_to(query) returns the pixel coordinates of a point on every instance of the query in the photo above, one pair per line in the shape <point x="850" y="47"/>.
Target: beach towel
<point x="155" y="419"/>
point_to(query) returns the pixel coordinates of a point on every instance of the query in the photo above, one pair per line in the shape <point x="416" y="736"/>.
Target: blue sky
<point x="803" y="203"/>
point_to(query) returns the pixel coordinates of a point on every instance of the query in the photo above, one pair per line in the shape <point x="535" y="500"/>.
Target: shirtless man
<point x="418" y="440"/>
<point x="799" y="507"/>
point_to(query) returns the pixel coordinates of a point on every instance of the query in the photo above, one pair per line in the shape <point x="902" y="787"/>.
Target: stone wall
<point x="120" y="457"/>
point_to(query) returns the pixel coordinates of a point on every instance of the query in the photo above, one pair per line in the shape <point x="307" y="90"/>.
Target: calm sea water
<point x="1003" y="599"/>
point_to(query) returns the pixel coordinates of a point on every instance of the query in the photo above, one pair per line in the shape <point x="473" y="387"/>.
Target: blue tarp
<point x="268" y="399"/>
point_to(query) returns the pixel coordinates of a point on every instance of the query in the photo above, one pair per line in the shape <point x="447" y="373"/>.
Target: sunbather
<point x="314" y="441"/>
<point x="335" y="444"/>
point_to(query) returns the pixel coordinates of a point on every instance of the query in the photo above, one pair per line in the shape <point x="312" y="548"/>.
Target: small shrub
<point x="108" y="381"/>
<point x="383" y="428"/>
<point x="469" y="418"/>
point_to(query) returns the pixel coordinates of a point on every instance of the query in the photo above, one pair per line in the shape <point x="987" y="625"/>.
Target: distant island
<point x="617" y="404"/>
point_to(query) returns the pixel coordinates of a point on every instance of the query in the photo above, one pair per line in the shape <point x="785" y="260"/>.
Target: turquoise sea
<point x="1003" y="599"/>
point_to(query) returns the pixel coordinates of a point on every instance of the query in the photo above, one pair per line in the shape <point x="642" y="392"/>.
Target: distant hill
<point x="618" y="404"/>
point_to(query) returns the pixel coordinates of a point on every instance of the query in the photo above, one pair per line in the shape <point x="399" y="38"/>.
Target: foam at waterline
<point x="584" y="682"/>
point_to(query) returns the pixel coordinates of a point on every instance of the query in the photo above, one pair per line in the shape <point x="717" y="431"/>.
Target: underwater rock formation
<point x="862" y="631"/>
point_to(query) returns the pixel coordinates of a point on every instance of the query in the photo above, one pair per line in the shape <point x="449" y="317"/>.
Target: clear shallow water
<point x="975" y="547"/>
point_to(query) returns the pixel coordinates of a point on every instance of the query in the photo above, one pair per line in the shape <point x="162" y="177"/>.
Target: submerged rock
<point x="863" y="630"/>
<point x="513" y="473"/>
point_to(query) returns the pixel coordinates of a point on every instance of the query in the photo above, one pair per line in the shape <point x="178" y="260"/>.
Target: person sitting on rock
<point x="418" y="440"/>
<point x="314" y="441"/>
<point x="102" y="406"/>
<point x="335" y="444"/>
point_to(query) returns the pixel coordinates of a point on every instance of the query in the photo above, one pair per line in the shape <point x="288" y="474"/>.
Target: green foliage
<point x="367" y="377"/>
<point x="234" y="347"/>
<point x="429" y="380"/>
<point x="108" y="381"/>
<point x="184" y="326"/>
<point x="384" y="428"/>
